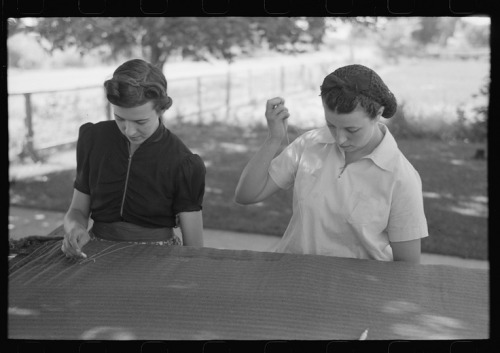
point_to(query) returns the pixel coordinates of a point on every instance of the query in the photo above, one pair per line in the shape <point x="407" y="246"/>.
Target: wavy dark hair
<point x="137" y="82"/>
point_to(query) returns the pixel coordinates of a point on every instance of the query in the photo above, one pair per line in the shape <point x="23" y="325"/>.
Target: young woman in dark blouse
<point x="135" y="178"/>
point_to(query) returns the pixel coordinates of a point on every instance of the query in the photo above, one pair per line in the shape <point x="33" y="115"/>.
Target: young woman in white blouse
<point x="354" y="193"/>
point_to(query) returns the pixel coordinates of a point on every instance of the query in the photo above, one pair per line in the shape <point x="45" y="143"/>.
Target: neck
<point x="375" y="140"/>
<point x="377" y="137"/>
<point x="133" y="147"/>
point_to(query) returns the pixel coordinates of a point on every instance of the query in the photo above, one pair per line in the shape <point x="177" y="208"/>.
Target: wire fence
<point x="44" y="120"/>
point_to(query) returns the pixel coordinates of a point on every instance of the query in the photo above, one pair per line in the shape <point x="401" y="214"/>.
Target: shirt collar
<point x="158" y="134"/>
<point x="383" y="155"/>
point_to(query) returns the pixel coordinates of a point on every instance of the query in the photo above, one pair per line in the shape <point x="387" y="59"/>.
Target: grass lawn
<point x="454" y="185"/>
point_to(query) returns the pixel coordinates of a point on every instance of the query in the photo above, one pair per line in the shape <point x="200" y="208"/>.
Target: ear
<point x="380" y="112"/>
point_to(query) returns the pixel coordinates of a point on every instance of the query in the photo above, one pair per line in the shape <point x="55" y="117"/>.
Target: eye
<point x="352" y="131"/>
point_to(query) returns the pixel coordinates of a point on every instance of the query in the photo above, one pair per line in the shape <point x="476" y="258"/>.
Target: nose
<point x="129" y="128"/>
<point x="340" y="136"/>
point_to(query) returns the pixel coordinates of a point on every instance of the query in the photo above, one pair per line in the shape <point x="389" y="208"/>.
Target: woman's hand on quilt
<point x="74" y="241"/>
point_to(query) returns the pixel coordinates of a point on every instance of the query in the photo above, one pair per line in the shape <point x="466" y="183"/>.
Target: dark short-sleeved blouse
<point x="161" y="179"/>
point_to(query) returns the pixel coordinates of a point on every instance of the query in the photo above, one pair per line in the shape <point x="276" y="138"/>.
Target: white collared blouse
<point x="353" y="211"/>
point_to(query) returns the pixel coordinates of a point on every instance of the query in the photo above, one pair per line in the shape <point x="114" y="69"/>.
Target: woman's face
<point x="353" y="132"/>
<point x="137" y="123"/>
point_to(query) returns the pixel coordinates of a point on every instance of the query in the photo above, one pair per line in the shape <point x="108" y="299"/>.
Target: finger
<point x="68" y="251"/>
<point x="65" y="252"/>
<point x="73" y="243"/>
<point x="283" y="114"/>
<point x="81" y="243"/>
<point x="71" y="246"/>
<point x="64" y="246"/>
<point x="280" y="109"/>
<point x="272" y="103"/>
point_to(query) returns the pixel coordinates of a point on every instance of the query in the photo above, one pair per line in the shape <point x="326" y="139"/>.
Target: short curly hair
<point x="137" y="82"/>
<point x="349" y="86"/>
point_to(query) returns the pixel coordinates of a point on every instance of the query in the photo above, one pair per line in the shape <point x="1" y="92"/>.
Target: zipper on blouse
<point x="342" y="170"/>
<point x="126" y="180"/>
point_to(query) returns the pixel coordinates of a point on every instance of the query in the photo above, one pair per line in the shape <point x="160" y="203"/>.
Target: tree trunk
<point x="157" y="56"/>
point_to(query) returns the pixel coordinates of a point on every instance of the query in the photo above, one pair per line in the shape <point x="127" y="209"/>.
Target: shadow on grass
<point x="51" y="191"/>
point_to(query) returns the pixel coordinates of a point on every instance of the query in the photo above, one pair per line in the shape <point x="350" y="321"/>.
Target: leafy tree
<point x="477" y="36"/>
<point x="394" y="38"/>
<point x="160" y="37"/>
<point x="428" y="31"/>
<point x="480" y="123"/>
<point x="435" y="30"/>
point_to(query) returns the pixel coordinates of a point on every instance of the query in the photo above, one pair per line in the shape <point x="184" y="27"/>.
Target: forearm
<point x="75" y="219"/>
<point x="191" y="224"/>
<point x="408" y="251"/>
<point x="254" y="176"/>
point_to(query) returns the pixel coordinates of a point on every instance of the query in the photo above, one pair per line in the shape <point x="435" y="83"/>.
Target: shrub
<point x="472" y="120"/>
<point x="469" y="125"/>
<point x="406" y="126"/>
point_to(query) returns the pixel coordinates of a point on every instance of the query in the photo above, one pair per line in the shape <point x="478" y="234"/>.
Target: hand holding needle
<point x="285" y="120"/>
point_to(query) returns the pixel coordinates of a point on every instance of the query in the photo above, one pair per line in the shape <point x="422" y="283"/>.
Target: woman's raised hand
<point x="277" y="115"/>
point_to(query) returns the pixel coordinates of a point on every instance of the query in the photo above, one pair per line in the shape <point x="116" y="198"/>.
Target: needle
<point x="364" y="335"/>
<point x="285" y="126"/>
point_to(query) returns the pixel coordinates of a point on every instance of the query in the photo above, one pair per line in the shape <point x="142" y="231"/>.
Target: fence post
<point x="28" y="148"/>
<point x="250" y="87"/>
<point x="282" y="79"/>
<point x="198" y="94"/>
<point x="228" y="94"/>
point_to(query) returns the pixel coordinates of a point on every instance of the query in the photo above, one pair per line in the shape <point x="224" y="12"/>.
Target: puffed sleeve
<point x="190" y="185"/>
<point x="83" y="147"/>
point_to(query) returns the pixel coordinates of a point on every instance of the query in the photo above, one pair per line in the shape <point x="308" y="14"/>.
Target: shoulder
<point x="394" y="159"/>
<point x="405" y="173"/>
<point x="174" y="144"/>
<point x="174" y="139"/>
<point x="193" y="163"/>
<point x="310" y="139"/>
<point x="191" y="170"/>
<point x="315" y="136"/>
<point x="90" y="129"/>
<point x="185" y="158"/>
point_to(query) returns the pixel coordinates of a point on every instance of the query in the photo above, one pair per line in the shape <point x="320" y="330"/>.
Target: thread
<point x="100" y="253"/>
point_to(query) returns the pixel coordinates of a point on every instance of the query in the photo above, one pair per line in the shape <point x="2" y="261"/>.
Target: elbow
<point x="241" y="199"/>
<point x="238" y="198"/>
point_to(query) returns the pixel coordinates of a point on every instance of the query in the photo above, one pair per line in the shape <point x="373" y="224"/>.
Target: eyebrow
<point x="145" y="119"/>
<point x="348" y="127"/>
